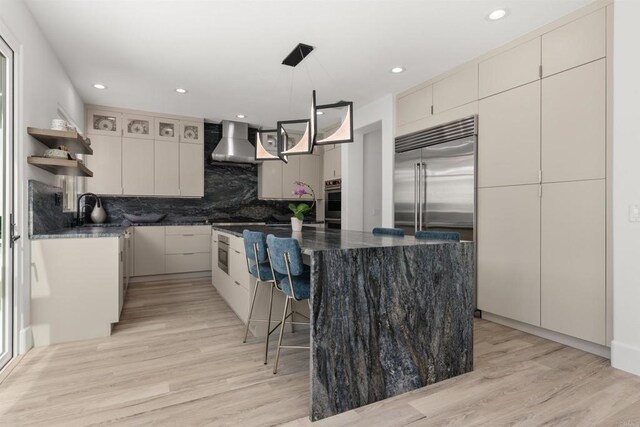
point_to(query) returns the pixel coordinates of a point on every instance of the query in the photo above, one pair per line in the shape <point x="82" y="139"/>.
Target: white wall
<point x="372" y="164"/>
<point x="42" y="86"/>
<point x="625" y="348"/>
<point x="379" y="113"/>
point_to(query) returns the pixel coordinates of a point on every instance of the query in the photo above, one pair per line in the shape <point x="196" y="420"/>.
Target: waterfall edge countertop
<point x="389" y="314"/>
<point x="319" y="239"/>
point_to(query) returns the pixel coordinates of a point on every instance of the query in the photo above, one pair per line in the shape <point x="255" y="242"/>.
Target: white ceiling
<point x="228" y="53"/>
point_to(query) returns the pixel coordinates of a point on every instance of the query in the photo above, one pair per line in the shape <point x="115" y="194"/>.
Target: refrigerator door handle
<point x="423" y="198"/>
<point x="416" y="194"/>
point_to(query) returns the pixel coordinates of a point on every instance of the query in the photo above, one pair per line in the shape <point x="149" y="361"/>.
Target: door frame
<point x="9" y="212"/>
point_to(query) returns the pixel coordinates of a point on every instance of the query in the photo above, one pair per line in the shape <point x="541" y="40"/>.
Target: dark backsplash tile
<point x="45" y="208"/>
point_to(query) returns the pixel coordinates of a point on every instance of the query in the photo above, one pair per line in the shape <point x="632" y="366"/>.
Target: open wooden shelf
<point x="75" y="142"/>
<point x="60" y="166"/>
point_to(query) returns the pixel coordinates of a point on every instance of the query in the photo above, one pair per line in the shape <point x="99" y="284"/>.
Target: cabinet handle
<point x="187" y="235"/>
<point x="238" y="252"/>
<point x="237" y="283"/>
<point x="189" y="253"/>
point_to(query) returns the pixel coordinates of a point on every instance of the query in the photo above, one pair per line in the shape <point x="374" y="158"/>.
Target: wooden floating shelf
<point x="75" y="142"/>
<point x="60" y="166"/>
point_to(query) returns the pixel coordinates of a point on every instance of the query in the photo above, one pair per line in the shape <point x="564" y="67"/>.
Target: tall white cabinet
<point x="542" y="173"/>
<point x="142" y="154"/>
<point x="276" y="178"/>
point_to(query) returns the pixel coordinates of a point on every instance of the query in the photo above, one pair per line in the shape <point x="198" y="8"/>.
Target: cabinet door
<point x="455" y="90"/>
<point x="135" y="126"/>
<point x="215" y="270"/>
<point x="166" y="168"/>
<point x="270" y="180"/>
<point x="192" y="132"/>
<point x="574" y="124"/>
<point x="290" y="174"/>
<point x="191" y="170"/>
<point x="415" y="106"/>
<point x="106" y="164"/>
<point x="121" y="275"/>
<point x="102" y="122"/>
<point x="332" y="164"/>
<point x="509" y="137"/>
<point x="137" y="167"/>
<point x="188" y="263"/>
<point x="573" y="259"/>
<point x="167" y="129"/>
<point x="149" y="250"/>
<point x="509" y="252"/>
<point x="576" y="43"/>
<point x="310" y="172"/>
<point x="515" y="67"/>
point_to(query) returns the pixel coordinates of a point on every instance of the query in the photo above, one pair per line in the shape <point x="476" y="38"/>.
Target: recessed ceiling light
<point x="396" y="70"/>
<point x="241" y="116"/>
<point x="180" y="90"/>
<point x="99" y="86"/>
<point x="319" y="113"/>
<point x="497" y="14"/>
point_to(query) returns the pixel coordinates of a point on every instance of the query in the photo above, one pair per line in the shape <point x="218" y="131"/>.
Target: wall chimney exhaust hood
<point x="234" y="146"/>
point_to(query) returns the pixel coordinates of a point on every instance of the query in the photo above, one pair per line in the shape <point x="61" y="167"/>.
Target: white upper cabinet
<point x="310" y="172"/>
<point x="574" y="124"/>
<point x="332" y="164"/>
<point x="137" y="167"/>
<point x="106" y="164"/>
<point x="290" y="174"/>
<point x="414" y="106"/>
<point x="192" y="132"/>
<point x="135" y="126"/>
<point x="515" y="67"/>
<point x="167" y="129"/>
<point x="270" y="180"/>
<point x="166" y="168"/>
<point x="103" y="122"/>
<point x="191" y="170"/>
<point x="509" y="137"/>
<point x="456" y="90"/>
<point x="581" y="41"/>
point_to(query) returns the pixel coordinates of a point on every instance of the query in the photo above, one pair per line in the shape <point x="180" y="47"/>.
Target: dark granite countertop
<point x="319" y="239"/>
<point x="82" y="232"/>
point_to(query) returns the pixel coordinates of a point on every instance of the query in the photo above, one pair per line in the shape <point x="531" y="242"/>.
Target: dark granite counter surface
<point x="81" y="233"/>
<point x="314" y="239"/>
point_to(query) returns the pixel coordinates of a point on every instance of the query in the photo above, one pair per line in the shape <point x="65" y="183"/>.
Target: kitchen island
<point x="388" y="314"/>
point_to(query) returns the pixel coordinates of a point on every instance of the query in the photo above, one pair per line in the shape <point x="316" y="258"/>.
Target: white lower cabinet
<point x="172" y="249"/>
<point x="82" y="302"/>
<point x="509" y="252"/>
<point x="149" y="250"/>
<point x="573" y="259"/>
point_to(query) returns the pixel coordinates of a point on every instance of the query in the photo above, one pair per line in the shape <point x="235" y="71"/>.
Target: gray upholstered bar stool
<point x="294" y="280"/>
<point x="388" y="231"/>
<point x="255" y="246"/>
<point x="438" y="235"/>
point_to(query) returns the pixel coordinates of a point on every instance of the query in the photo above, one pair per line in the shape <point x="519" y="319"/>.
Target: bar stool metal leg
<point x="282" y="326"/>
<point x="266" y="344"/>
<point x="253" y="301"/>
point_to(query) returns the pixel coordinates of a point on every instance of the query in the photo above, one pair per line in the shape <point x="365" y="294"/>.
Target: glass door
<point x="6" y="201"/>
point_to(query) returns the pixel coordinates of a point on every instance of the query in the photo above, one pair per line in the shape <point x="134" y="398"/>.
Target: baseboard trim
<point x="587" y="346"/>
<point x="168" y="277"/>
<point x="625" y="357"/>
<point x="25" y="340"/>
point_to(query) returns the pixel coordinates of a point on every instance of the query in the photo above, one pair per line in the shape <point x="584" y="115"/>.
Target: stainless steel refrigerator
<point x="434" y="186"/>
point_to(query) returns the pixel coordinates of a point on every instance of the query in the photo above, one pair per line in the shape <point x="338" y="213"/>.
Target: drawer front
<point x="181" y="244"/>
<point x="186" y="263"/>
<point x="188" y="229"/>
<point x="237" y="243"/>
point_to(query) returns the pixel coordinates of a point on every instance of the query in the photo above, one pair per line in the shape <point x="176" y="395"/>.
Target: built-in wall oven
<point x="223" y="253"/>
<point x="333" y="203"/>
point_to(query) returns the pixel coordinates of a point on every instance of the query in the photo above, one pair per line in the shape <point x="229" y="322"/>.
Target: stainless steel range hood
<point x="234" y="146"/>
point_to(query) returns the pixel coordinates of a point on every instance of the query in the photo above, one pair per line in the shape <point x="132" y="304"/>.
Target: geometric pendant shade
<point x="294" y="137"/>
<point x="267" y="145"/>
<point x="333" y="121"/>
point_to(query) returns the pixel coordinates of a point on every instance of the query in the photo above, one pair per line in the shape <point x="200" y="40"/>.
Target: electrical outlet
<point x="57" y="201"/>
<point x="634" y="213"/>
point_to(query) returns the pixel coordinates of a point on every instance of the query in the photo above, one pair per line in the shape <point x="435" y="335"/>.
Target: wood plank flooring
<point x="177" y="358"/>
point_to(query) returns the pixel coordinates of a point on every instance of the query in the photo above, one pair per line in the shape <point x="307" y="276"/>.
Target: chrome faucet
<point x="80" y="218"/>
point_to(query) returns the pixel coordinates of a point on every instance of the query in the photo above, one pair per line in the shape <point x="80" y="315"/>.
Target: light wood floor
<point x="176" y="358"/>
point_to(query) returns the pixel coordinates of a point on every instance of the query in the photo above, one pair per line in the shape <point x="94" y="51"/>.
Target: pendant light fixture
<point x="327" y="124"/>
